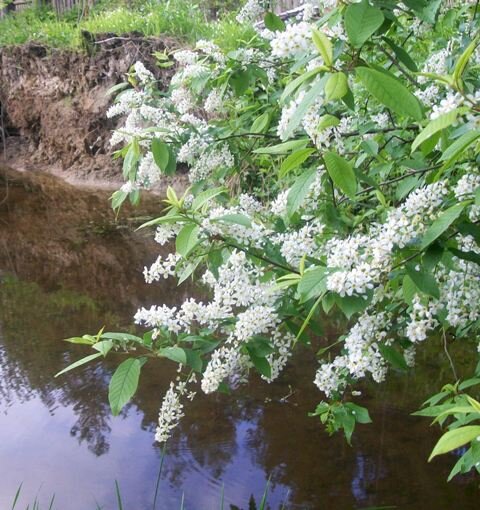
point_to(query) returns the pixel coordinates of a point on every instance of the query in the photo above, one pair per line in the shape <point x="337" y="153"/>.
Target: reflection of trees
<point x="386" y="465"/>
<point x="31" y="353"/>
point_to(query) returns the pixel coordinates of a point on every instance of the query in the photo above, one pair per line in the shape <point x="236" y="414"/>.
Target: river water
<point x="57" y="436"/>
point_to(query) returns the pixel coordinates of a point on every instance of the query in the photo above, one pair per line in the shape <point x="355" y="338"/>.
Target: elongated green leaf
<point x="206" y="196"/>
<point x="342" y="173"/>
<point x="117" y="198"/>
<point x="123" y="384"/>
<point x="402" y="55"/>
<point x="424" y="281"/>
<point x="408" y="289"/>
<point x="463" y="61"/>
<point x="457" y="148"/>
<point x="434" y="126"/>
<point x="336" y="86"/>
<point x="262" y="365"/>
<point x="390" y="92"/>
<point x="294" y="160"/>
<point x="361" y="21"/>
<point x="313" y="283"/>
<point x="283" y="148"/>
<point x="438" y="227"/>
<point x="174" y="353"/>
<point x="261" y="123"/>
<point x="85" y="340"/>
<point x="161" y="154"/>
<point x="236" y="219"/>
<point x="298" y="81"/>
<point x="324" y="46"/>
<point x="453" y="439"/>
<point x="299" y="190"/>
<point x="471" y="256"/>
<point x="79" y="363"/>
<point x="187" y="239"/>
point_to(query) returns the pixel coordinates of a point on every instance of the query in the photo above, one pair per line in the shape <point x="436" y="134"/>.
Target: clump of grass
<point x="182" y="19"/>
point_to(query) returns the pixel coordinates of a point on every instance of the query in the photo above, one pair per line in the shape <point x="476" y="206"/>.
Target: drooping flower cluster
<point x="333" y="205"/>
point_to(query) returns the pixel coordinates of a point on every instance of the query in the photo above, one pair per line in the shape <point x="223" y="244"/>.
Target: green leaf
<point x="471" y="256"/>
<point x="174" y="353"/>
<point x="282" y="148"/>
<point x="262" y="365"/>
<point x="402" y="55"/>
<point x="123" y="384"/>
<point x="79" y="363"/>
<point x="361" y="413"/>
<point x="274" y="22"/>
<point x="336" y="86"/>
<point x="236" y="219"/>
<point x="122" y="337"/>
<point x="361" y="21"/>
<point x="299" y="190"/>
<point x="438" y="227"/>
<point x="260" y="347"/>
<point x="240" y="81"/>
<point x="395" y="358"/>
<point x="205" y="196"/>
<point x="424" y="281"/>
<point x="453" y="439"/>
<point x="350" y="305"/>
<point x="408" y="289"/>
<point x="187" y="239"/>
<point x="117" y="198"/>
<point x="84" y="340"/>
<point x="326" y="121"/>
<point x="161" y="154"/>
<point x="390" y="92"/>
<point x="324" y="46"/>
<point x="434" y="126"/>
<point x="103" y="347"/>
<point x="294" y="160"/>
<point x="457" y="148"/>
<point x="131" y="160"/>
<point x="463" y="61"/>
<point x="261" y="123"/>
<point x="313" y="283"/>
<point x="298" y="81"/>
<point x="341" y="173"/>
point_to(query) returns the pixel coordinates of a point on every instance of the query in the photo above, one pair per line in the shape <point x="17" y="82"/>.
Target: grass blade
<point x="119" y="497"/>
<point x="17" y="495"/>
<point x="157" y="485"/>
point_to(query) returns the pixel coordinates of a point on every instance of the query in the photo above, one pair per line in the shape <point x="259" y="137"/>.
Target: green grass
<point x="183" y="19"/>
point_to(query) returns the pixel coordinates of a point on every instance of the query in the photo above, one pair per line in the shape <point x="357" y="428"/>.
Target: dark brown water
<point x="57" y="435"/>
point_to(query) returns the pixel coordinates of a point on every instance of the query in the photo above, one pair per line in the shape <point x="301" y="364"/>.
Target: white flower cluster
<point x="295" y="40"/>
<point x="250" y="12"/>
<point x="143" y="75"/>
<point x="363" y="259"/>
<point x="421" y="320"/>
<point x="161" y="268"/>
<point x="171" y="411"/>
<point x="465" y="189"/>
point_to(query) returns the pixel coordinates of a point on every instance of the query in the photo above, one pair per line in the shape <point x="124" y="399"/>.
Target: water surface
<point x="57" y="436"/>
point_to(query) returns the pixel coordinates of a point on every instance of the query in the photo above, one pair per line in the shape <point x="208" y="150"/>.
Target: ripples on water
<point x="57" y="435"/>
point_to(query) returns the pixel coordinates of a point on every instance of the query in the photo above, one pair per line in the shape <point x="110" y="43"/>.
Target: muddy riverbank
<point x="53" y="103"/>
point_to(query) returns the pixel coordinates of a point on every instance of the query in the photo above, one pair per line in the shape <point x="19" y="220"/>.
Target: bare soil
<point x="54" y="103"/>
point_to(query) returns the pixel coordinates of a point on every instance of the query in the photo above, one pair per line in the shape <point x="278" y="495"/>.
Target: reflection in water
<point x="58" y="434"/>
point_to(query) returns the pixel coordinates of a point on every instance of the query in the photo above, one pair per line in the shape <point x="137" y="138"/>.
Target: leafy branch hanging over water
<point x="359" y="194"/>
